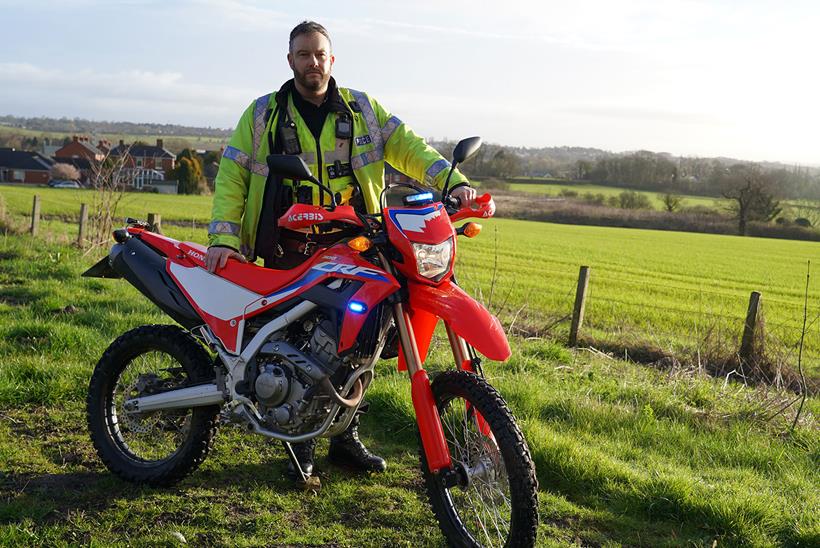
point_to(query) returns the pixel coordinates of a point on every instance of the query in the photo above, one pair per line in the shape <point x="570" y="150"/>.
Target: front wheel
<point x="496" y="503"/>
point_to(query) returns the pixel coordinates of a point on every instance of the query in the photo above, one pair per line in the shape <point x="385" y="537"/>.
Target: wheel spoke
<point x="156" y="435"/>
<point x="484" y="505"/>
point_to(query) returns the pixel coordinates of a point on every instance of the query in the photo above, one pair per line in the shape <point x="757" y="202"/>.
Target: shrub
<point x="629" y="199"/>
<point x="594" y="199"/>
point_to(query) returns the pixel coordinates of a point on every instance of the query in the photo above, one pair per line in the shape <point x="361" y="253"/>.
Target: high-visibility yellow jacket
<point x="377" y="137"/>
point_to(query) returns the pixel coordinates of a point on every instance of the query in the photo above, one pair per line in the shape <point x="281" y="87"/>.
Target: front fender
<point x="466" y="316"/>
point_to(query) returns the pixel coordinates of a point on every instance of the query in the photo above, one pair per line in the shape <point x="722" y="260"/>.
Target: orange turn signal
<point x="471" y="230"/>
<point x="360" y="243"/>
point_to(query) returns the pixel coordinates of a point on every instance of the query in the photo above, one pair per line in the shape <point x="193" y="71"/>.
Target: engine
<point x="289" y="369"/>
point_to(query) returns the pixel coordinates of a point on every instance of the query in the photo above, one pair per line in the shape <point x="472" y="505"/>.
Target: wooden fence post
<point x="580" y="303"/>
<point x="35" y="215"/>
<point x="83" y="225"/>
<point x="155" y="222"/>
<point x="752" y="330"/>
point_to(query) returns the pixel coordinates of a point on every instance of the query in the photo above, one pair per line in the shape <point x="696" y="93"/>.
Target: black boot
<point x="348" y="450"/>
<point x="304" y="454"/>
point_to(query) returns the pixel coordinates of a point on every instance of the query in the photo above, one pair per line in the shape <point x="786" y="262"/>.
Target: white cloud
<point x="126" y="94"/>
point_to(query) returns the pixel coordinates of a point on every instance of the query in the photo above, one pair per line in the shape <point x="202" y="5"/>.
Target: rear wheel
<point x="155" y="447"/>
<point x="498" y="503"/>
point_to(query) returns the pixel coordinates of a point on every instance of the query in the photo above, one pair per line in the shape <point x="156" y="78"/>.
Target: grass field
<point x="173" y="142"/>
<point x="790" y="208"/>
<point x="672" y="290"/>
<point x="57" y="202"/>
<point x="555" y="189"/>
<point x="626" y="455"/>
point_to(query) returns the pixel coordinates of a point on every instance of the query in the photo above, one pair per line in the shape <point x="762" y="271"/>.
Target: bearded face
<point x="311" y="61"/>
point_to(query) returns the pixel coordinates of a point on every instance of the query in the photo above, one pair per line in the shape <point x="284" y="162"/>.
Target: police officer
<point x="345" y="137"/>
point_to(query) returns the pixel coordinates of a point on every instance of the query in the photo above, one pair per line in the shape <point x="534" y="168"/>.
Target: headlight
<point x="433" y="260"/>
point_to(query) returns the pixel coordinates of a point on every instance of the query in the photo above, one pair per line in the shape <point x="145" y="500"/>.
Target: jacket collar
<point x="334" y="98"/>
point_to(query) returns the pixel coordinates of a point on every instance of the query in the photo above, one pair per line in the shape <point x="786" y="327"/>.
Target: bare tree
<point x="751" y="191"/>
<point x="110" y="178"/>
<point x="64" y="171"/>
<point x="671" y="202"/>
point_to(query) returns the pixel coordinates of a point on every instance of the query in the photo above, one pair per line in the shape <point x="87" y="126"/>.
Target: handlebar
<point x="481" y="209"/>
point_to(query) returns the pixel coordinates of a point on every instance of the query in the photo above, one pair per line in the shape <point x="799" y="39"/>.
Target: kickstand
<point x="309" y="483"/>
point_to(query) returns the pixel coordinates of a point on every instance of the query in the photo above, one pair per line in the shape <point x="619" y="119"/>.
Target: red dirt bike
<point x="296" y="351"/>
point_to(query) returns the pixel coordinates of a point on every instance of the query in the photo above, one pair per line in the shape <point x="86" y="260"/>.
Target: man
<point x="345" y="137"/>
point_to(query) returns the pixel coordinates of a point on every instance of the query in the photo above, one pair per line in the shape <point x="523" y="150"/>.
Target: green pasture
<point x="626" y="455"/>
<point x="65" y="203"/>
<point x="680" y="292"/>
<point x="675" y="291"/>
<point x="170" y="141"/>
<point x="790" y="208"/>
<point x="555" y="189"/>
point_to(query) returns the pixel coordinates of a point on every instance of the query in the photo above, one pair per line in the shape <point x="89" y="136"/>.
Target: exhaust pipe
<point x="193" y="396"/>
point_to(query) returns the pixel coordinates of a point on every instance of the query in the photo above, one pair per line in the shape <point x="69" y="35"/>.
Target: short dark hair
<point x="307" y="27"/>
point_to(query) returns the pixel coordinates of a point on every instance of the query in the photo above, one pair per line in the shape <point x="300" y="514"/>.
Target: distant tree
<point x="633" y="200"/>
<point x="65" y="172"/>
<point x="751" y="191"/>
<point x="505" y="164"/>
<point x="583" y="169"/>
<point x="188" y="174"/>
<point x="211" y="156"/>
<point x="671" y="202"/>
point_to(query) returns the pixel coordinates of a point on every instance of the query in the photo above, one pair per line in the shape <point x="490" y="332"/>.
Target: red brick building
<point x="146" y="156"/>
<point x="21" y="166"/>
<point x="81" y="147"/>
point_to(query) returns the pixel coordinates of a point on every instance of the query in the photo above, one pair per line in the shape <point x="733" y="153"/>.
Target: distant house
<point x="21" y="166"/>
<point x="83" y="155"/>
<point x="81" y="147"/>
<point x="152" y="157"/>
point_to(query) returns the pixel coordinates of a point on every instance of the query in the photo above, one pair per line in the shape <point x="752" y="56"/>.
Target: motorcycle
<point x="295" y="352"/>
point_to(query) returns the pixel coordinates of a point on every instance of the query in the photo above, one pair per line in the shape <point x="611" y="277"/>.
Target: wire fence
<point x="619" y="302"/>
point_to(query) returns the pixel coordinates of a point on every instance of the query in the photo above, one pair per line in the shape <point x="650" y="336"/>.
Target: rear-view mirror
<point x="465" y="149"/>
<point x="289" y="167"/>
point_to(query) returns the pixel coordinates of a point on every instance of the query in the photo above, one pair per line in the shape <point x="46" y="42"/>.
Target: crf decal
<point x="350" y="270"/>
<point x="306" y="217"/>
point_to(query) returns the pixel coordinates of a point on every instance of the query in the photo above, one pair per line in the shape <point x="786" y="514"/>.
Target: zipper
<point x="319" y="164"/>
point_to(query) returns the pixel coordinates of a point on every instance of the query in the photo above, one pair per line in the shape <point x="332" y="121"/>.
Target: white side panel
<point x="214" y="295"/>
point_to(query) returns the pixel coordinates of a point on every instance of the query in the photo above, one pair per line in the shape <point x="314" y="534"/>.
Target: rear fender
<point x="466" y="316"/>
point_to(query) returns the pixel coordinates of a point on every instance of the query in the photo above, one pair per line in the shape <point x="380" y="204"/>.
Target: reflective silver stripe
<point x="390" y="127"/>
<point x="437" y="167"/>
<point x="371" y="121"/>
<point x="358" y="162"/>
<point x="223" y="227"/>
<point x="259" y="123"/>
<point x="233" y="153"/>
<point x="333" y="155"/>
<point x="260" y="169"/>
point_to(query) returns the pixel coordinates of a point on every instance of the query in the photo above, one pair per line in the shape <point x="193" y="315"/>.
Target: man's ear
<point x="290" y="60"/>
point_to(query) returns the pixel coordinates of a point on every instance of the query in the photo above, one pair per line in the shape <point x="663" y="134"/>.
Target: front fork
<point x="429" y="421"/>
<point x="432" y="433"/>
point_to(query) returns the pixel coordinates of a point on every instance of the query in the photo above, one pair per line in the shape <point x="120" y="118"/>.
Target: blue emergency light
<point x="357" y="307"/>
<point x="418" y="199"/>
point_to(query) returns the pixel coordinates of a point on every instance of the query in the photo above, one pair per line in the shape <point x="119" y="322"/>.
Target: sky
<point x="693" y="78"/>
